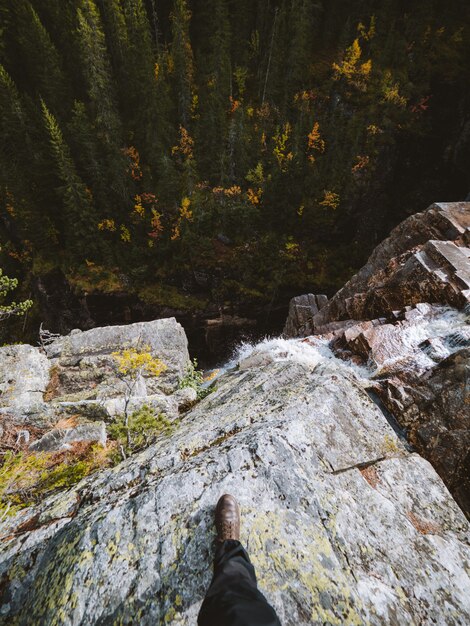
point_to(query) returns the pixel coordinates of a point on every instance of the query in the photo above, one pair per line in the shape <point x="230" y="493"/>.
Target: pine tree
<point x="40" y="57"/>
<point x="215" y="93"/>
<point x="103" y="101"/>
<point x="300" y="51"/>
<point x="79" y="223"/>
<point x="97" y="72"/>
<point x="84" y="144"/>
<point x="11" y="309"/>
<point x="116" y="32"/>
<point x="12" y="123"/>
<point x="19" y="179"/>
<point x="142" y="79"/>
<point x="182" y="58"/>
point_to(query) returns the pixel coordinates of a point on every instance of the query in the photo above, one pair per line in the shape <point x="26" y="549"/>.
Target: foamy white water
<point x="450" y="327"/>
<point x="308" y="352"/>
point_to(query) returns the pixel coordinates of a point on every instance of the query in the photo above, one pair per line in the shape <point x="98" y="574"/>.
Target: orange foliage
<point x="315" y="142"/>
<point x="234" y="104"/>
<point x="185" y="145"/>
<point x="134" y="162"/>
<point x="362" y="161"/>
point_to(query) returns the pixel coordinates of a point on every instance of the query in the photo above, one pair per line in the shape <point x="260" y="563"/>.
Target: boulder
<point x="84" y="367"/>
<point x="343" y="523"/>
<point x="302" y="310"/>
<point x="77" y="375"/>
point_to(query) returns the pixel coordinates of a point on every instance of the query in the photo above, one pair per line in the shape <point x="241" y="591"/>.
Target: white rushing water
<point x="450" y="326"/>
<point x="309" y="352"/>
<point x="443" y="329"/>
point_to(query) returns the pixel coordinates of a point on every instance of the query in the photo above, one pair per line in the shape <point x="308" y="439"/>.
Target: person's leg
<point x="233" y="598"/>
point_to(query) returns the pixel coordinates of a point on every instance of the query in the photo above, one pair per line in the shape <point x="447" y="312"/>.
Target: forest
<point x="232" y="152"/>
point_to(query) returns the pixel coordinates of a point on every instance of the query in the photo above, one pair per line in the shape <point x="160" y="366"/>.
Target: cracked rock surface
<point x="406" y="314"/>
<point x="343" y="523"/>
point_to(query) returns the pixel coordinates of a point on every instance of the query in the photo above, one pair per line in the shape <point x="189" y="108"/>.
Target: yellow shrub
<point x="132" y="361"/>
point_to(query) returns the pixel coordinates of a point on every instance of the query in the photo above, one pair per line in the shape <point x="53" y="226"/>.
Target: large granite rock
<point x="60" y="439"/>
<point x="63" y="396"/>
<point x="84" y="366"/>
<point x="343" y="523"/>
<point x="302" y="310"/>
<point x="77" y="374"/>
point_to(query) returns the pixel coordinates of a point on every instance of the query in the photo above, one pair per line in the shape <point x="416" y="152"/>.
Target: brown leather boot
<point x="227" y="519"/>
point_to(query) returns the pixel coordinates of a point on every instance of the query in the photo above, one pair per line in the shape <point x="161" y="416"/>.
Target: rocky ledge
<point x="76" y="376"/>
<point x="406" y="315"/>
<point x="345" y="521"/>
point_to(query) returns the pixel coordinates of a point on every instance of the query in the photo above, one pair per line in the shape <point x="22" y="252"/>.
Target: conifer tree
<point x="16" y="158"/>
<point x="44" y="70"/>
<point x="97" y="72"/>
<point x="182" y="58"/>
<point x="79" y="223"/>
<point x="300" y="50"/>
<point x="85" y="145"/>
<point x="12" y="309"/>
<point x="102" y="101"/>
<point x="215" y="93"/>
<point x="142" y="79"/>
<point x="116" y="33"/>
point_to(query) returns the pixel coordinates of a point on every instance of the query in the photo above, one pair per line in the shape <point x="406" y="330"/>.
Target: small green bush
<point x="139" y="430"/>
<point x="194" y="379"/>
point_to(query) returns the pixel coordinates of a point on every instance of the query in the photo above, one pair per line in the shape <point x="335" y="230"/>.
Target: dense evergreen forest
<point x="243" y="151"/>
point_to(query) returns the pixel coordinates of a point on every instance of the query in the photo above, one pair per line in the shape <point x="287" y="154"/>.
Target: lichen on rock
<point x="290" y="437"/>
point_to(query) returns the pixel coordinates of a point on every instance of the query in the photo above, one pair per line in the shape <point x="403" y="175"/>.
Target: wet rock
<point x="439" y="421"/>
<point x="386" y="317"/>
<point x="343" y="524"/>
<point x="422" y="375"/>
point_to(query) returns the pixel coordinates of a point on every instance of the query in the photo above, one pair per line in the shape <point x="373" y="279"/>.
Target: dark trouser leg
<point x="233" y="598"/>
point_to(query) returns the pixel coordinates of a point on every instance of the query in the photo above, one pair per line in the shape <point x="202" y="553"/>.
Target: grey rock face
<point x="422" y="373"/>
<point x="24" y="374"/>
<point x="420" y="366"/>
<point x="343" y="524"/>
<point x="62" y="438"/>
<point x="78" y="374"/>
<point x="84" y="365"/>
